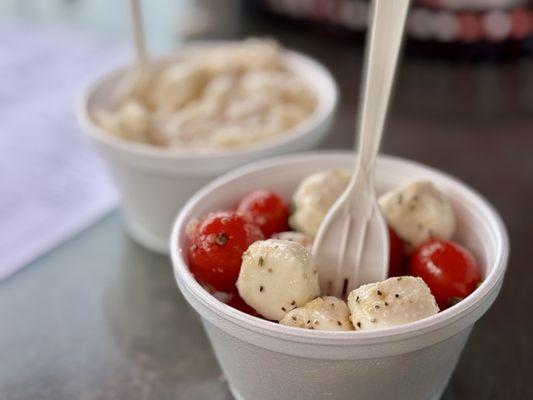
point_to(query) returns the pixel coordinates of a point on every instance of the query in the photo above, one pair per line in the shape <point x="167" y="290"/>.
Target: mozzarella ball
<point x="314" y="197"/>
<point x="276" y="277"/>
<point x="417" y="212"/>
<point x="392" y="302"/>
<point x="323" y="313"/>
<point x="298" y="237"/>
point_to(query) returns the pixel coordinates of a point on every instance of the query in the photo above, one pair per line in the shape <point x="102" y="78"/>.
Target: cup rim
<point x="435" y="322"/>
<point x="327" y="101"/>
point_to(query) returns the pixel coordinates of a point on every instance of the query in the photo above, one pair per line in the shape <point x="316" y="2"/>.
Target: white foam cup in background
<point x="155" y="182"/>
<point x="267" y="361"/>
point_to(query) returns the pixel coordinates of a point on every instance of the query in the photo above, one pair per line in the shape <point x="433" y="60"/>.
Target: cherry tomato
<point x="238" y="303"/>
<point x="216" y="247"/>
<point x="450" y="270"/>
<point x="265" y="209"/>
<point x="396" y="255"/>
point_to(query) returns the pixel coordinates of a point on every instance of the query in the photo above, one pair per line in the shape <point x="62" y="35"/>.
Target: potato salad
<point x="227" y="96"/>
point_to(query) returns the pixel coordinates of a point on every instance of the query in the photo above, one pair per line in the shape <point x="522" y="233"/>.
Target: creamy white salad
<point x="227" y="96"/>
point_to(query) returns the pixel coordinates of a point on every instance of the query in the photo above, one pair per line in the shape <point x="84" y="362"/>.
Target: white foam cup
<point x="267" y="361"/>
<point x="154" y="182"/>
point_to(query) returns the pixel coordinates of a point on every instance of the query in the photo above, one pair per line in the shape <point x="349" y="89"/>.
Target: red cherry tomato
<point x="265" y="209"/>
<point x="450" y="270"/>
<point x="238" y="303"/>
<point x="397" y="255"/>
<point x="216" y="247"/>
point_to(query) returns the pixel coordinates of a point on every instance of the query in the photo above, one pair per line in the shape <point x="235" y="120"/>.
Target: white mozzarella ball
<point x="392" y="302"/>
<point x="323" y="313"/>
<point x="417" y="212"/>
<point x="314" y="197"/>
<point x="298" y="237"/>
<point x="277" y="276"/>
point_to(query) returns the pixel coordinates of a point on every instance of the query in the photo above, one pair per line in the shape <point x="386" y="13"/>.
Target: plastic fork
<point x="135" y="77"/>
<point x="352" y="244"/>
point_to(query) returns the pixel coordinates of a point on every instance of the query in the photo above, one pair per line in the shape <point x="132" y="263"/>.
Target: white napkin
<point x="51" y="184"/>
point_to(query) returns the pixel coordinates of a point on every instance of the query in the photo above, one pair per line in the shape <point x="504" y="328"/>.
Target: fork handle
<point x="382" y="50"/>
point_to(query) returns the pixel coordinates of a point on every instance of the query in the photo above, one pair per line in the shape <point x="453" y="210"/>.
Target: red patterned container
<point x="471" y="28"/>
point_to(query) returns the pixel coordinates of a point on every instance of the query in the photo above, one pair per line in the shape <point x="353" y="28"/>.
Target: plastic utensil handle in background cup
<point x="138" y="33"/>
<point x="134" y="78"/>
<point x="351" y="247"/>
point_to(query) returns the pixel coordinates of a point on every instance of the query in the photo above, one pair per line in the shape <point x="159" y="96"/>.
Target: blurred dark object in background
<point x="453" y="29"/>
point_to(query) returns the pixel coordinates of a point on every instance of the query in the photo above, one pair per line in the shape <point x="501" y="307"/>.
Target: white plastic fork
<point x="352" y="244"/>
<point x="135" y="77"/>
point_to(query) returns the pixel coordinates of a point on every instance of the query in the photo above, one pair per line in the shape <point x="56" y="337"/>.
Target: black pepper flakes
<point x="379" y="293"/>
<point x="386" y="304"/>
<point x="339" y="323"/>
<point x="373" y="320"/>
<point x="221" y="239"/>
<point x="376" y="306"/>
<point x="261" y="261"/>
<point x="261" y="288"/>
<point x="293" y="318"/>
<point x="293" y="302"/>
<point x="283" y="309"/>
<point x="397" y="295"/>
<point x="357" y="299"/>
<point x="359" y="324"/>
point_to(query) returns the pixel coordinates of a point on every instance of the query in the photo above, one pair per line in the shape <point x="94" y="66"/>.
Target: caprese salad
<point x="257" y="258"/>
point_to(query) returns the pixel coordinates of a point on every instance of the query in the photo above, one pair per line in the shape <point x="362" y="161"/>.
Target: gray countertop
<point x="101" y="318"/>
